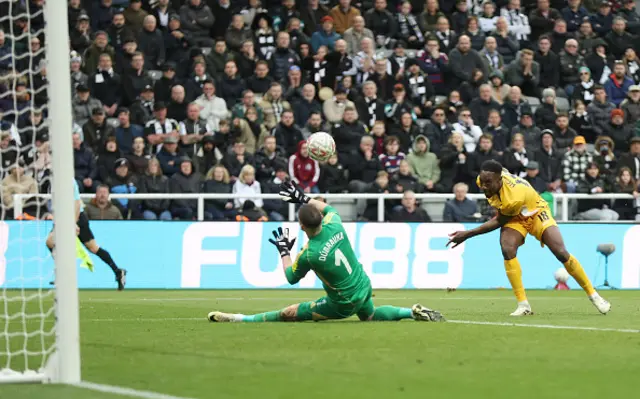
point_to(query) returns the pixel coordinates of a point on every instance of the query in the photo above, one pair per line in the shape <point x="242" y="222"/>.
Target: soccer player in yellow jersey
<point x="522" y="211"/>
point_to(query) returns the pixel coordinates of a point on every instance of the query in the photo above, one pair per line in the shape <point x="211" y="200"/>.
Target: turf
<point x="160" y="341"/>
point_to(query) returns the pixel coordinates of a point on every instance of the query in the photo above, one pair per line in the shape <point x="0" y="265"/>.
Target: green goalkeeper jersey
<point x="330" y="255"/>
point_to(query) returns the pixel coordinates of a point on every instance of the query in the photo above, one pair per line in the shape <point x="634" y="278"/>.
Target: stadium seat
<point x="435" y="210"/>
<point x="206" y="50"/>
<point x="346" y="209"/>
<point x="562" y="104"/>
<point x="155" y="75"/>
<point x="440" y="99"/>
<point x="534" y="102"/>
<point x="411" y="53"/>
<point x="113" y="122"/>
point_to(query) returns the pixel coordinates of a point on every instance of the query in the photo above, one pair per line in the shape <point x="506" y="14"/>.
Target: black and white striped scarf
<point x="409" y="26"/>
<point x="418" y="87"/>
<point x="278" y="108"/>
<point x="266" y="43"/>
<point x="319" y="71"/>
<point x="587" y="95"/>
<point x="445" y="38"/>
<point x="494" y="61"/>
<point x="372" y="106"/>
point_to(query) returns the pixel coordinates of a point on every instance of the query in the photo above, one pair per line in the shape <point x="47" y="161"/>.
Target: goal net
<point x="30" y="314"/>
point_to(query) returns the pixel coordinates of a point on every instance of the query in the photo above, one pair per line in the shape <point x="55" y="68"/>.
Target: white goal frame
<point x="63" y="365"/>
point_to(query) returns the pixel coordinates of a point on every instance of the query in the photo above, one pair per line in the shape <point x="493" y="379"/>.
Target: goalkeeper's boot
<point x="523" y="309"/>
<point x="220" y="317"/>
<point x="420" y="313"/>
<point x="121" y="278"/>
<point x="600" y="303"/>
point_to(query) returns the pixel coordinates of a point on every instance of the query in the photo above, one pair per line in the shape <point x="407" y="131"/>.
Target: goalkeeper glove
<point x="290" y="192"/>
<point x="282" y="241"/>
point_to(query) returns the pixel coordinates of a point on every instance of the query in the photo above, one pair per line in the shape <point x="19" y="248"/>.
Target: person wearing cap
<point x="92" y="55"/>
<point x="75" y="65"/>
<point x="96" y="130"/>
<point x="532" y="176"/>
<point x="602" y="20"/>
<point x="142" y="108"/>
<point x="80" y="35"/>
<point x="631" y="105"/>
<point x="619" y="131"/>
<point x="605" y="157"/>
<point x="159" y="129"/>
<point x="600" y="111"/>
<point x="125" y="55"/>
<point x="528" y="129"/>
<point x="325" y="36"/>
<point x="575" y="164"/>
<point x="118" y="30"/>
<point x="83" y="104"/>
<point x="162" y="87"/>
<point x="123" y="182"/>
<point x="618" y="84"/>
<point x="169" y="155"/>
<point x="594" y="209"/>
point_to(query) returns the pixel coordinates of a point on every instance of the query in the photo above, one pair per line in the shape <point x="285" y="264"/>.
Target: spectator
<point x="631" y="106"/>
<point x="184" y="181"/>
<point x="142" y="108"/>
<point x="303" y="170"/>
<point x="453" y="164"/>
<point x="135" y="80"/>
<point x="574" y="13"/>
<point x="424" y="164"/>
<point x="260" y="81"/>
<point x="208" y="154"/>
<point x="355" y="34"/>
<point x="547" y="114"/>
<point x="231" y="85"/>
<point x="379" y="186"/>
<point x="628" y="12"/>
<point x="80" y="35"/>
<point x="77" y="76"/>
<point x="625" y="184"/>
<point x="151" y="43"/>
<point x="447" y="38"/>
<point x="138" y="159"/>
<point x="325" y="36"/>
<point x="217" y="60"/>
<point x="158" y="129"/>
<point x="507" y="44"/>
<point x="517" y="157"/>
<point x="532" y="176"/>
<point x="213" y="109"/>
<point x="498" y="132"/>
<point x="135" y="15"/>
<point x="177" y="108"/>
<point x="283" y="58"/>
<point x="581" y="121"/>
<point x="248" y="186"/>
<point x="584" y="90"/>
<point x="84" y="104"/>
<point x="542" y="18"/>
<point x="618" y="84"/>
<point x="84" y="166"/>
<point x="363" y="166"/>
<point x="222" y="11"/>
<point x="96" y="130"/>
<point x="123" y="182"/>
<point x="549" y="64"/>
<point x="124" y="56"/>
<point x="313" y="14"/>
<point x="264" y="35"/>
<point x="587" y="37"/>
<point x="549" y="161"/>
<point x="513" y="108"/>
<point x="126" y="133"/>
<point x="343" y="15"/>
<point x="460" y="209"/>
<point x="570" y="63"/>
<point x="273" y="106"/>
<point x="163" y="11"/>
<point x="430" y="16"/>
<point x="619" y="132"/>
<point x="392" y="156"/>
<point x="17" y="182"/>
<point x="631" y="160"/>
<point x="101" y="207"/>
<point x="481" y="106"/>
<point x="193" y="129"/>
<point x="600" y="62"/>
<point x="348" y="133"/>
<point x="605" y="158"/>
<point x="237" y="33"/>
<point x="475" y="33"/>
<point x="333" y="177"/>
<point x="600" y="111"/>
<point x="293" y="86"/>
<point x="105" y="85"/>
<point x="197" y="19"/>
<point x="618" y="39"/>
<point x="499" y="89"/>
<point x="469" y="130"/>
<point x="235" y="161"/>
<point x="408" y="27"/>
<point x="406" y="131"/>
<point x="463" y="61"/>
<point x="559" y="35"/>
<point x="438" y="131"/>
<point x="524" y="73"/>
<point x="314" y="124"/>
<point x="107" y="157"/>
<point x="248" y="59"/>
<point x="490" y="55"/>
<point x="410" y="210"/>
<point x="91" y="55"/>
<point x="518" y="21"/>
<point x="267" y="159"/>
<point x="217" y="182"/>
<point x="436" y="65"/>
<point x="575" y="164"/>
<point x="194" y="85"/>
<point x="287" y="134"/>
<point x="594" y="209"/>
<point x="484" y="152"/>
<point x="169" y="156"/>
<point x="304" y="107"/>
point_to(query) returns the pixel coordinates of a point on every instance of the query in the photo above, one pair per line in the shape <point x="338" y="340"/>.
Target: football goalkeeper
<point x="330" y="255"/>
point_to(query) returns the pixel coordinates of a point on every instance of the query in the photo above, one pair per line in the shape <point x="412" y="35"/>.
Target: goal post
<point x="35" y="346"/>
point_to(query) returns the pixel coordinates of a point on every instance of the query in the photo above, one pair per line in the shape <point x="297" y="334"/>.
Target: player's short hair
<point x="491" y="166"/>
<point x="309" y="216"/>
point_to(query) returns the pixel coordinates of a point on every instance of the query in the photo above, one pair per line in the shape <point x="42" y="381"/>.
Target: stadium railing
<point x="563" y="199"/>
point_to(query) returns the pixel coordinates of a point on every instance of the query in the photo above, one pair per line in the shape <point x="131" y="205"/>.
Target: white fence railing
<point x="424" y="198"/>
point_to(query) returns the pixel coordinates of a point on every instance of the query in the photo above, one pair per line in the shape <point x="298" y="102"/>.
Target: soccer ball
<point x="561" y="275"/>
<point x="321" y="146"/>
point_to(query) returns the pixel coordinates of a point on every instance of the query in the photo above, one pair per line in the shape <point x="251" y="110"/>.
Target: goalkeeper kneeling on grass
<point x="330" y="255"/>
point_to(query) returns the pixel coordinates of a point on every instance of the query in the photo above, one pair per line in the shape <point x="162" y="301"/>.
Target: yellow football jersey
<point x="516" y="197"/>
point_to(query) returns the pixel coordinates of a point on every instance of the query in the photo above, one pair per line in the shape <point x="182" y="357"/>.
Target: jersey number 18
<point x="341" y="259"/>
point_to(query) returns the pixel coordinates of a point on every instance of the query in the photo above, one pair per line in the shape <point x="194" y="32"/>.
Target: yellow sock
<point x="577" y="272"/>
<point x="514" y="274"/>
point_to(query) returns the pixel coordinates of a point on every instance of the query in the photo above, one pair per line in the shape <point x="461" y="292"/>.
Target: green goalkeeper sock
<point x="391" y="313"/>
<point x="262" y="317"/>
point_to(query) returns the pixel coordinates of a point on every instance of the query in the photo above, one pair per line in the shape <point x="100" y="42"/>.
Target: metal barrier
<point x="201" y="197"/>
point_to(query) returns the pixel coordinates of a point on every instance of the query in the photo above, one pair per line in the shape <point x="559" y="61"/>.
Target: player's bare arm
<point x="497" y="222"/>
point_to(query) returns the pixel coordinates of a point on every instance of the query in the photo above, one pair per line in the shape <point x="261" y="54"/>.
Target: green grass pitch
<point x="160" y="341"/>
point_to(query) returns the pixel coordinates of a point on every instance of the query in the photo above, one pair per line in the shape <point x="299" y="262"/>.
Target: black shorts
<point x="86" y="234"/>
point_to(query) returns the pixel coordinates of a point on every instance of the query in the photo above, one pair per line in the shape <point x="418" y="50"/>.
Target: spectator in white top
<point x="213" y="109"/>
<point x="518" y="22"/>
<point x="470" y="132"/>
<point x="247" y="185"/>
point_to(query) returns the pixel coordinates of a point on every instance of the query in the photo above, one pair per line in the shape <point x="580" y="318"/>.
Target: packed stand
<point x="214" y="96"/>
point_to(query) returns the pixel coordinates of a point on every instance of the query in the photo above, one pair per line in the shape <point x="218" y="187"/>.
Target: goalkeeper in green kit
<point x="330" y="255"/>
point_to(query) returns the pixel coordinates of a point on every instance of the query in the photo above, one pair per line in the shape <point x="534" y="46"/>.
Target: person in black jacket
<point x="217" y="182"/>
<point x="135" y="80"/>
<point x="177" y="42"/>
<point x="631" y="160"/>
<point x="549" y="64"/>
<point x="484" y="152"/>
<point x="549" y="161"/>
<point x="107" y="157"/>
<point x="151" y="43"/>
<point x="97" y="130"/>
<point x="287" y="133"/>
<point x="333" y="176"/>
<point x="410" y="210"/>
<point x="533" y="177"/>
<point x="106" y="85"/>
<point x="267" y="159"/>
<point x="363" y="166"/>
<point x="84" y="165"/>
<point x="347" y="133"/>
<point x="185" y="181"/>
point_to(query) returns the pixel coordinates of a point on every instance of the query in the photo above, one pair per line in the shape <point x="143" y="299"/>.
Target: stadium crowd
<point x="218" y="96"/>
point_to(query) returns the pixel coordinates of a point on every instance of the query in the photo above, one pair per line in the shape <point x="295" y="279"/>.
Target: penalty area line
<point x="545" y="326"/>
<point x="124" y="391"/>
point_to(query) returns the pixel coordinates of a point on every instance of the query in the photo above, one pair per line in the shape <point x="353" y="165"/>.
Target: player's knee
<point x="509" y="250"/>
<point x="289" y="313"/>
<point x="92" y="246"/>
<point x="562" y="254"/>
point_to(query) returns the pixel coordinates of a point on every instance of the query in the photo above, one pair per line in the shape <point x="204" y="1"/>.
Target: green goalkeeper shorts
<point x="325" y="308"/>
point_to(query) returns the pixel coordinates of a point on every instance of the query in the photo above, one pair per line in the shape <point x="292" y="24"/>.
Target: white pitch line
<point x="547" y="326"/>
<point x="123" y="391"/>
<point x="196" y="299"/>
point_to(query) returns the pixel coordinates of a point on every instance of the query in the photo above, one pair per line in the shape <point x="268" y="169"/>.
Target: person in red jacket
<point x="304" y="170"/>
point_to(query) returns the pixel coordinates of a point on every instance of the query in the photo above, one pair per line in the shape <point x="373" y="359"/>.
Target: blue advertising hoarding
<point x="229" y="255"/>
